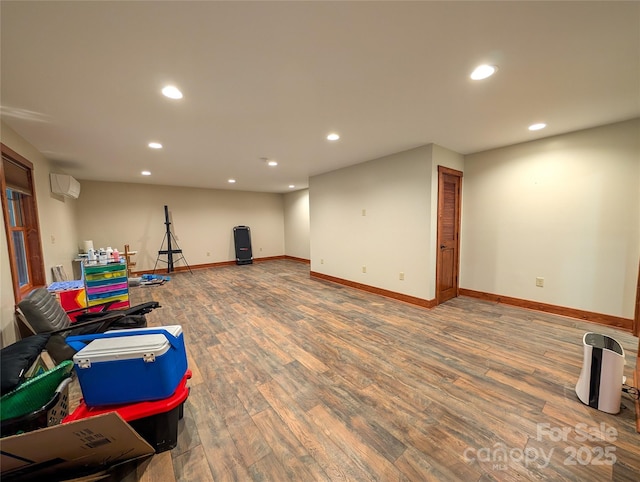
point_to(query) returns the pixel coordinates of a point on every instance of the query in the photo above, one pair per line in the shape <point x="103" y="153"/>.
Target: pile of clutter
<point x="149" y="280"/>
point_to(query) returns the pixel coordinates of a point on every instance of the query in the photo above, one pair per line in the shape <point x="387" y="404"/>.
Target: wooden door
<point x="448" y="257"/>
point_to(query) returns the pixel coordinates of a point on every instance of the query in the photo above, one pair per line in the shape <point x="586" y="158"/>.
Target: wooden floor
<point x="303" y="380"/>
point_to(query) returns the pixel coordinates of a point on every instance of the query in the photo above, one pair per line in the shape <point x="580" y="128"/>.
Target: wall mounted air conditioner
<point x="65" y="185"/>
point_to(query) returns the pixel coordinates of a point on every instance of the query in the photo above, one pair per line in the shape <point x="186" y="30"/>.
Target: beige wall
<point x="296" y="224"/>
<point x="565" y="208"/>
<point x="398" y="233"/>
<point x="115" y="214"/>
<point x="57" y="228"/>
<point x="393" y="236"/>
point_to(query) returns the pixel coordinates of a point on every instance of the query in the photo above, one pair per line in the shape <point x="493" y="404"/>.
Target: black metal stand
<point x="169" y="252"/>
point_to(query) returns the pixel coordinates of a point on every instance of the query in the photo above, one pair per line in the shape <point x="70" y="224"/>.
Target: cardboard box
<point x="71" y="449"/>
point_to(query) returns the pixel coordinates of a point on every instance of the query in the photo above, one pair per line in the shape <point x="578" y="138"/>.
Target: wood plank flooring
<point x="303" y="380"/>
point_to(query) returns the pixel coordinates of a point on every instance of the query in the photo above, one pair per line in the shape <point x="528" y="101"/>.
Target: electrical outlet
<point x="540" y="282"/>
<point x="364" y="269"/>
<point x="364" y="212"/>
<point x="401" y="276"/>
<point x="208" y="253"/>
<point x="321" y="261"/>
<point x="53" y="239"/>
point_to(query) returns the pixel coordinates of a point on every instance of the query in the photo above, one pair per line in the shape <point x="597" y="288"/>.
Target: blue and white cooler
<point x="127" y="366"/>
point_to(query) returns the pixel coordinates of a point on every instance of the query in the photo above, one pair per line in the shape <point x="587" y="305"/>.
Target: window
<point x="21" y="223"/>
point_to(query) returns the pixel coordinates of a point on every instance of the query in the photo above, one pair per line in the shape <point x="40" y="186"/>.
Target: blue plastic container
<point x="127" y="366"/>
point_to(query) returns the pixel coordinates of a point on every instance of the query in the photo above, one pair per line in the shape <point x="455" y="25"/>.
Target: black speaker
<point x="242" y="240"/>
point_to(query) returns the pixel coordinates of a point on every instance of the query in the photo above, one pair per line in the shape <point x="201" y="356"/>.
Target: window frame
<point x="31" y="228"/>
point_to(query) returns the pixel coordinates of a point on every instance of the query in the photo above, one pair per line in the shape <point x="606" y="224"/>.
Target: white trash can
<point x="601" y="377"/>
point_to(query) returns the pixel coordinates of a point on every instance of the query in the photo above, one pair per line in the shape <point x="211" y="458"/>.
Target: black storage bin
<point x="161" y="430"/>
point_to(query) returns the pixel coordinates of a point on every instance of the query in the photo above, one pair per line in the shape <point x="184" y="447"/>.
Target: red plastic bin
<point x="155" y="421"/>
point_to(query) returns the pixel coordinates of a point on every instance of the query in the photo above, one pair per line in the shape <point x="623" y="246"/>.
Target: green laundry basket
<point x="28" y="406"/>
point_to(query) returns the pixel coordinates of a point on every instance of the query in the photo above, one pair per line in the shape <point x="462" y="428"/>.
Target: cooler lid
<point x="123" y="348"/>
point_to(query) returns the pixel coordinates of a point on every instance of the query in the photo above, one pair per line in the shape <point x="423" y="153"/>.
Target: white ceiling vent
<point x="65" y="185"/>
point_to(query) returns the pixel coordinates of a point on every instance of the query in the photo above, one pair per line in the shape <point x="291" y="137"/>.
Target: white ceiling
<point x="81" y="82"/>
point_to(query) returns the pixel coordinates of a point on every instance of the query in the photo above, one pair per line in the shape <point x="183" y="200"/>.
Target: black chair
<point x="17" y="358"/>
<point x="43" y="314"/>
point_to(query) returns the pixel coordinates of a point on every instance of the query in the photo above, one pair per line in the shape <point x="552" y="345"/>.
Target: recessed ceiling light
<point x="231" y="181"/>
<point x="291" y="186"/>
<point x="272" y="163"/>
<point x="483" y="71"/>
<point x="155" y="145"/>
<point x="172" y="92"/>
<point x="537" y="127"/>
<point x="146" y="173"/>
<point x="333" y="137"/>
